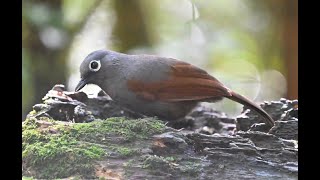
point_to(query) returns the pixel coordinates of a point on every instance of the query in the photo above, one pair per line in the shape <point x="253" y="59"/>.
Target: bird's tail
<point x="245" y="101"/>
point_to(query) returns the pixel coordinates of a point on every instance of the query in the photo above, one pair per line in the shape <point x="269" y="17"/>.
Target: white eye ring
<point x="94" y="65"/>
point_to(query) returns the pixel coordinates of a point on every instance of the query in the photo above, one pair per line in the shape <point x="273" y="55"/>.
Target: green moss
<point x="59" y="150"/>
<point x="29" y="123"/>
<point x="48" y="120"/>
<point x="56" y="155"/>
<point x="123" y="151"/>
<point x="33" y="112"/>
<point x="190" y="168"/>
<point x="129" y="163"/>
<point x="156" y="162"/>
<point x="170" y="159"/>
<point x="128" y="129"/>
<point x="27" y="178"/>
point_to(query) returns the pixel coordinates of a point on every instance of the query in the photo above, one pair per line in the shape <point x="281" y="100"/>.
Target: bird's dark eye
<point x="94" y="65"/>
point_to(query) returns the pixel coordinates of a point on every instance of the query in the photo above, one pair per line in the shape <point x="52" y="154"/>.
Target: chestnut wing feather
<point x="185" y="83"/>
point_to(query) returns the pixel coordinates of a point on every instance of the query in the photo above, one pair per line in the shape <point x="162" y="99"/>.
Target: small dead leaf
<point x="159" y="143"/>
<point x="108" y="173"/>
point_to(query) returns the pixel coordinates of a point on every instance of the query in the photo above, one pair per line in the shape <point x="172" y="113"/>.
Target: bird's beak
<point x="81" y="84"/>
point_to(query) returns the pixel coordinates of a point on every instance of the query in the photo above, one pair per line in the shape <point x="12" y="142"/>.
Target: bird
<point x="152" y="85"/>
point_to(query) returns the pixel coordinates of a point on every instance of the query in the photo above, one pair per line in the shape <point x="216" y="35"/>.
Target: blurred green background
<point x="251" y="46"/>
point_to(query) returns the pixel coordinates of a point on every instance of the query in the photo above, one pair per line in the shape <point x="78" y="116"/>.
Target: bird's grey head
<point x="96" y="66"/>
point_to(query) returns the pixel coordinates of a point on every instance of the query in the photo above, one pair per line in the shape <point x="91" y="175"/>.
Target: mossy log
<point x="75" y="136"/>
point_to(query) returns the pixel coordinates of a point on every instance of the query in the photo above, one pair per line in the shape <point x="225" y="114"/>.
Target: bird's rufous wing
<point x="185" y="83"/>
